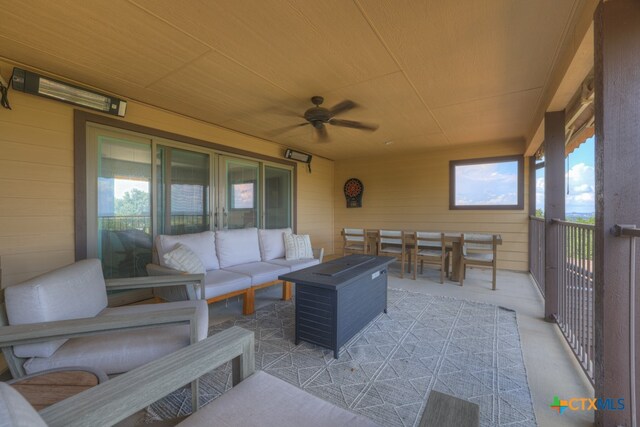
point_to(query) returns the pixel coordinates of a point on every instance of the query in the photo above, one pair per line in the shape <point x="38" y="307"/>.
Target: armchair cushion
<point x="183" y="259"/>
<point x="236" y="247"/>
<point x="122" y="351"/>
<point x="264" y="400"/>
<point x="47" y="298"/>
<point x="220" y="282"/>
<point x="15" y="411"/>
<point x="272" y="243"/>
<point x="202" y="244"/>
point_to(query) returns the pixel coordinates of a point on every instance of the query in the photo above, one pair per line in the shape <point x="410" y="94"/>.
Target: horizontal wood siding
<point x="411" y="192"/>
<point x="37" y="187"/>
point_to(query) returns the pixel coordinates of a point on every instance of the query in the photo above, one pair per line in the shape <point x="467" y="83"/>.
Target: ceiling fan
<point x="319" y="116"/>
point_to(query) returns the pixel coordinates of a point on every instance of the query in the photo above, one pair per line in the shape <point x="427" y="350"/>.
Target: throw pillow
<point x="297" y="246"/>
<point x="182" y="258"/>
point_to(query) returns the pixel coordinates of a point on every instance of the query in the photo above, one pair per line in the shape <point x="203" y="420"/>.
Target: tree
<point x="134" y="202"/>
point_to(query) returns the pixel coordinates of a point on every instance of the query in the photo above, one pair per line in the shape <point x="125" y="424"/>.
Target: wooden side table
<point x="45" y="388"/>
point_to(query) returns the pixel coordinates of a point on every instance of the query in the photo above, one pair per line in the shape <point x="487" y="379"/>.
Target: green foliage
<point x="539" y="213"/>
<point x="134" y="202"/>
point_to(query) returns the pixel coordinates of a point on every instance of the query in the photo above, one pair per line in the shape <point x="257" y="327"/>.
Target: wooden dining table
<point x="452" y="240"/>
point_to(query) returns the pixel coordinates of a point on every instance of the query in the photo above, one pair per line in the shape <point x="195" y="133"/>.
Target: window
<point x="490" y="183"/>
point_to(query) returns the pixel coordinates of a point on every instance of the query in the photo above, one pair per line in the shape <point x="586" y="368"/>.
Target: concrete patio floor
<point x="551" y="367"/>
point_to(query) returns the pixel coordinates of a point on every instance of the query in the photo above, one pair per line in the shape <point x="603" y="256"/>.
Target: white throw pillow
<point x="202" y="244"/>
<point x="297" y="246"/>
<point x="182" y="258"/>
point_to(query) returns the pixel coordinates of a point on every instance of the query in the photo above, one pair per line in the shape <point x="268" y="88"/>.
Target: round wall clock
<point x="353" y="190"/>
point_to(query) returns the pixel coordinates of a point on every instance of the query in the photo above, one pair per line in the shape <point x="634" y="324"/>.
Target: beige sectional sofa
<point x="236" y="263"/>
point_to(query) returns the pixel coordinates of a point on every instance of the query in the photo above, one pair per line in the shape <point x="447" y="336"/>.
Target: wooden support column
<point x="532" y="205"/>
<point x="617" y="118"/>
<point x="554" y="187"/>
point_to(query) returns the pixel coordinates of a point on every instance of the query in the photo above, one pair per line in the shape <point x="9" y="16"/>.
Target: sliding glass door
<point x="139" y="187"/>
<point x="238" y="194"/>
<point x="183" y="188"/>
<point x="121" y="204"/>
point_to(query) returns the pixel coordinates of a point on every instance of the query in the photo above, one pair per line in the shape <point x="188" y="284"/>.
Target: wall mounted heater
<point x="26" y="81"/>
<point x="301" y="157"/>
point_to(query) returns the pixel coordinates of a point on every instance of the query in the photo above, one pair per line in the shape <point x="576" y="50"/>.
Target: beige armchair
<point x="61" y="319"/>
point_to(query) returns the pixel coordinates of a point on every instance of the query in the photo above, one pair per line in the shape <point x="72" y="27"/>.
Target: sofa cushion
<point x="202" y="244"/>
<point x="47" y="298"/>
<point x="220" y="282"/>
<point x="15" y="411"/>
<point x="295" y="264"/>
<point x="297" y="246"/>
<point x="122" y="351"/>
<point x="272" y="243"/>
<point x="237" y="246"/>
<point x="260" y="272"/>
<point x="273" y="402"/>
<point x="182" y="258"/>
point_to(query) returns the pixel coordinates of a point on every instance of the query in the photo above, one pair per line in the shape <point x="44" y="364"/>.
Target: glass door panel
<point x="277" y="197"/>
<point x="123" y="206"/>
<point x="239" y="200"/>
<point x="183" y="188"/>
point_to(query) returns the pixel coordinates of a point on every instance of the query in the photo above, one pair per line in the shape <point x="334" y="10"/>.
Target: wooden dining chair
<point x="355" y="241"/>
<point x="480" y="250"/>
<point x="430" y="248"/>
<point x="394" y="243"/>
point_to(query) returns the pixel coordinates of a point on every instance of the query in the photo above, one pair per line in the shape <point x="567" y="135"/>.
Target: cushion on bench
<point x="272" y="243"/>
<point x="220" y="282"/>
<point x="260" y="272"/>
<point x="264" y="400"/>
<point x="295" y="264"/>
<point x="122" y="351"/>
<point x="235" y="247"/>
<point x="46" y="298"/>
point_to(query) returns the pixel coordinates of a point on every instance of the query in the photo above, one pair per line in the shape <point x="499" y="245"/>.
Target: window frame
<point x="480" y="161"/>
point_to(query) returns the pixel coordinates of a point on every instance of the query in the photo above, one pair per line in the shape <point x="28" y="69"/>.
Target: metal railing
<point x="179" y="223"/>
<point x="536" y="251"/>
<point x="575" y="289"/>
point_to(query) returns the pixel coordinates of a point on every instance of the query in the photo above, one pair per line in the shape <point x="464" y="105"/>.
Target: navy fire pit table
<point x="335" y="300"/>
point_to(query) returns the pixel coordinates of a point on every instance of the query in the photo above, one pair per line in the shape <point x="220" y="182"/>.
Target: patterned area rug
<point x="424" y="342"/>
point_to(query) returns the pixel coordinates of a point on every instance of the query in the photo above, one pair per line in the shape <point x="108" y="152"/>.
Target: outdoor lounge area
<point x="357" y="212"/>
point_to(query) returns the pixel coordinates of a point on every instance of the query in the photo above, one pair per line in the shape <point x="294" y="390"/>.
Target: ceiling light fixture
<point x="28" y="82"/>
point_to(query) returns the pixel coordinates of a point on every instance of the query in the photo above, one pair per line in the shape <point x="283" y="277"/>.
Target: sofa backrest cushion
<point x="70" y="292"/>
<point x="272" y="243"/>
<point x="15" y="411"/>
<point x="202" y="244"/>
<point x="237" y="246"/>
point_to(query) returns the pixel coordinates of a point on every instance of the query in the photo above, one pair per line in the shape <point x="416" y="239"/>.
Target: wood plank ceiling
<point x="429" y="73"/>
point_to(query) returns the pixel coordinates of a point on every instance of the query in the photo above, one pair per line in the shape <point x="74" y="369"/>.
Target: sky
<point x="579" y="180"/>
<point x="487" y="184"/>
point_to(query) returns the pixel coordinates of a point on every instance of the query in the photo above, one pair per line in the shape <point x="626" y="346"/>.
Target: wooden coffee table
<point x="45" y="388"/>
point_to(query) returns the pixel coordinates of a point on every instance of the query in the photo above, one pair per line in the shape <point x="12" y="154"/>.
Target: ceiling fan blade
<point x="323" y="135"/>
<point x="355" y="125"/>
<point x="341" y="107"/>
<point x="276" y="132"/>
